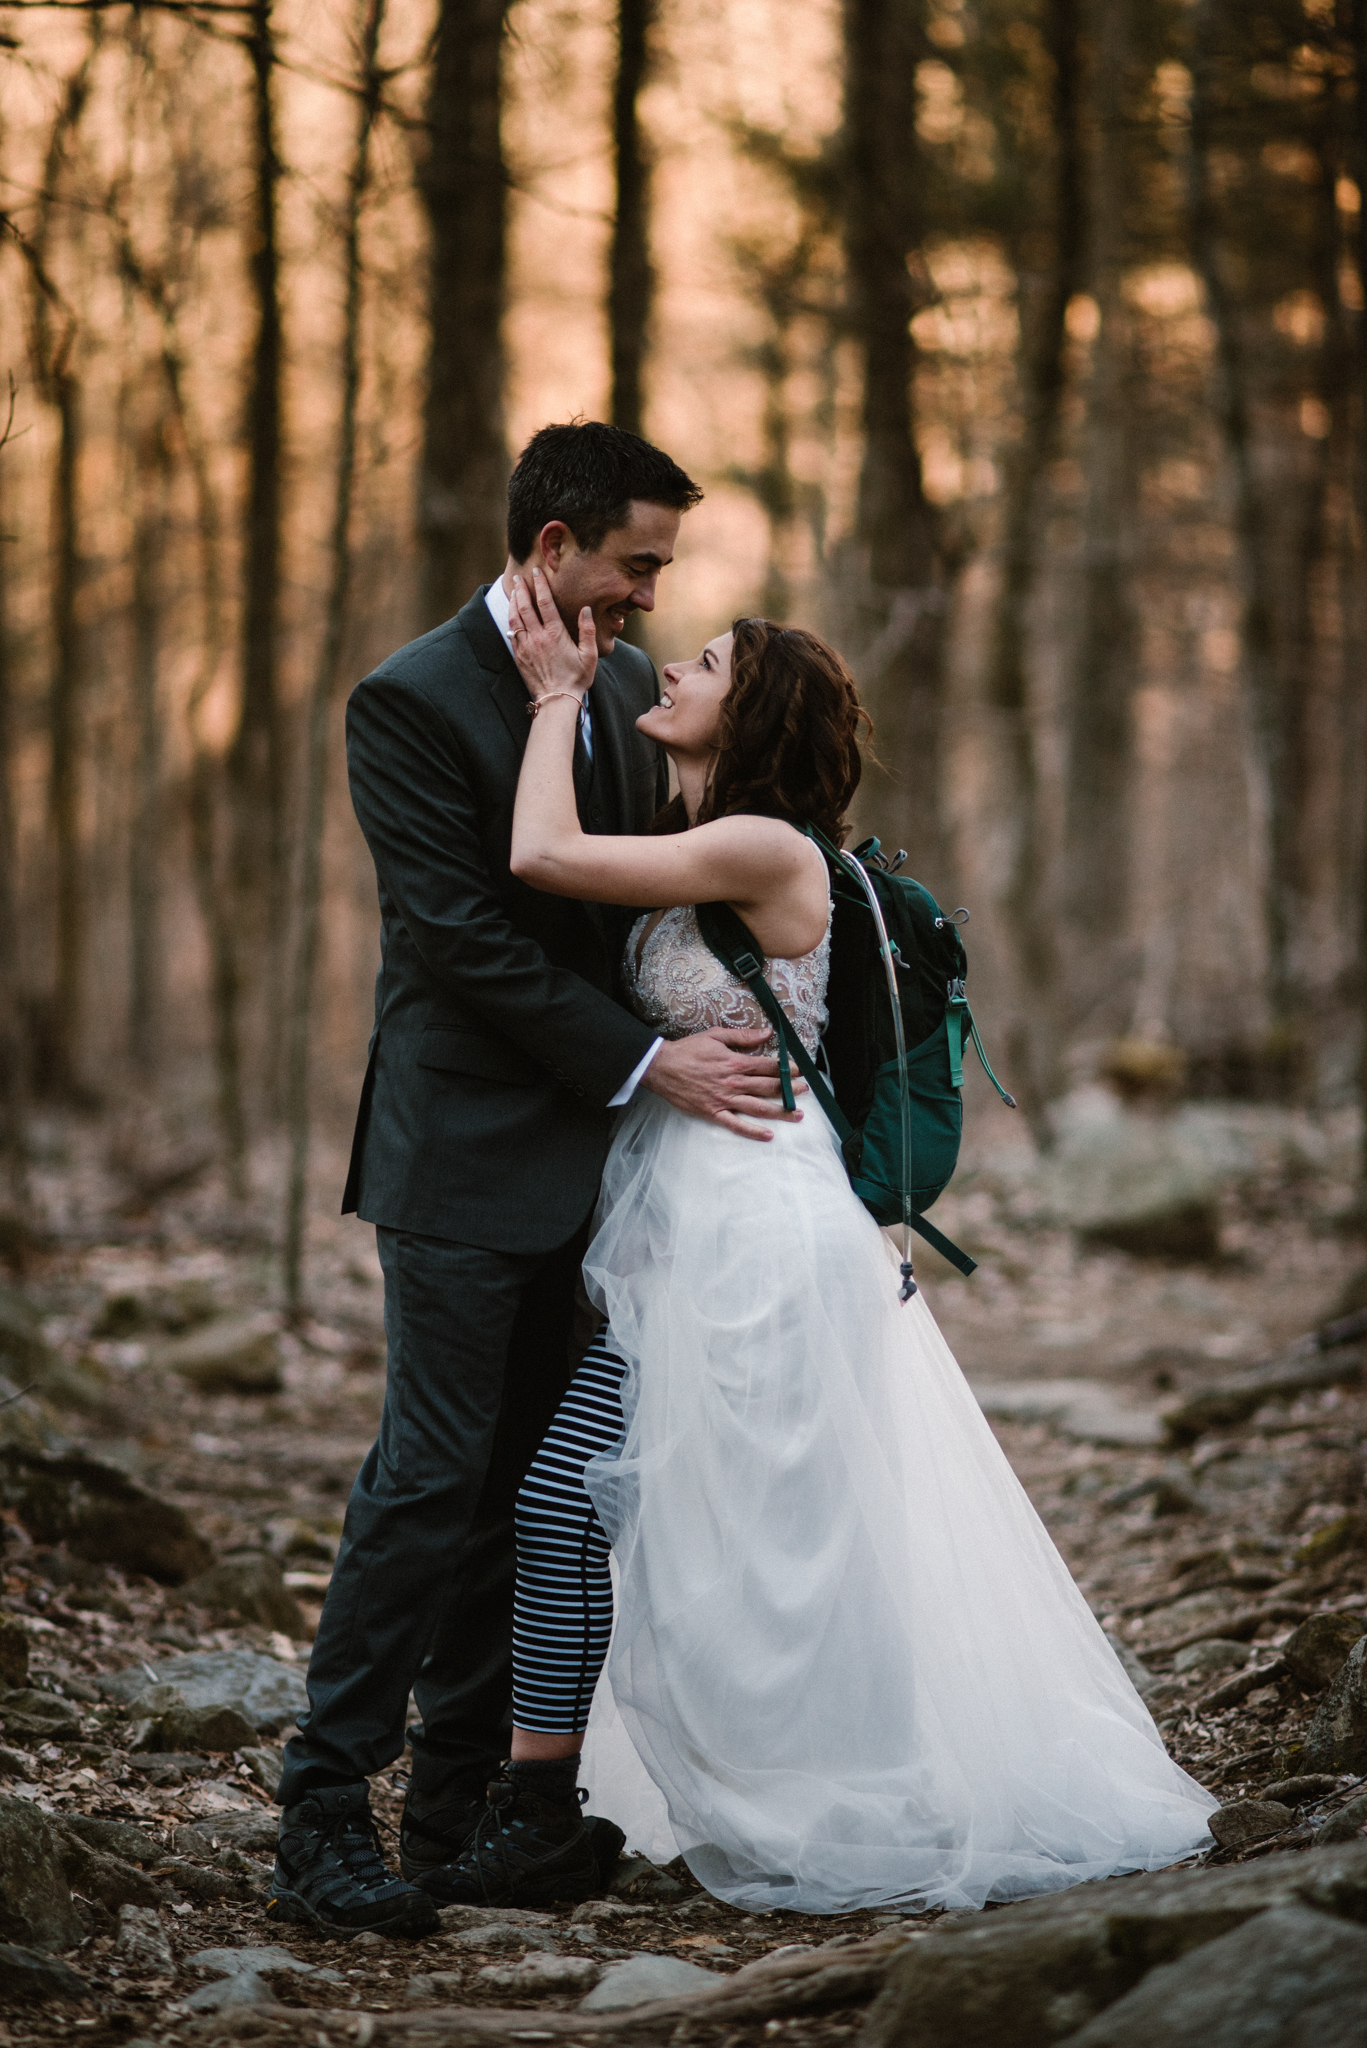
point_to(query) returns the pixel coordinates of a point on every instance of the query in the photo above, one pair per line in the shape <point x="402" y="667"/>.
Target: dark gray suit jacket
<point x="498" y="1039"/>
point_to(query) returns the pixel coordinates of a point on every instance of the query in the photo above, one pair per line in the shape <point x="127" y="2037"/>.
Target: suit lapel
<point x="506" y="686"/>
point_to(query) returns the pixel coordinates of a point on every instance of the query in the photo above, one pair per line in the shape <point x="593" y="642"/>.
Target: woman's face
<point x="685" y="719"/>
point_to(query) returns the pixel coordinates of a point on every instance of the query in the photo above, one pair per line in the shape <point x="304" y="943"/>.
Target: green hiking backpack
<point x="899" y="1022"/>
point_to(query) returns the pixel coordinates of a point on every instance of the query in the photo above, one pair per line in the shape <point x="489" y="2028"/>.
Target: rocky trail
<point x="174" y="1464"/>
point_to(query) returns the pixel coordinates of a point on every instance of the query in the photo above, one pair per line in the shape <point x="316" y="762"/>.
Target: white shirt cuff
<point x="633" y="1079"/>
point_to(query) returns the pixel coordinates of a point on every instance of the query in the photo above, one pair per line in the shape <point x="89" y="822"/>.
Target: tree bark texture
<point x="630" y="281"/>
<point x="901" y="566"/>
<point x="461" y="502"/>
<point x="13" y="1034"/>
<point x="322" y="697"/>
<point x="256" y="768"/>
<point x="1100" y="749"/>
<point x="55" y="330"/>
<point x="151" y="485"/>
<point x="1358" y="145"/>
<point x="1047" y="284"/>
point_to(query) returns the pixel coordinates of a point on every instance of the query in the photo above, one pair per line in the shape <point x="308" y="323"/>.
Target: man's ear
<point x="552" y="542"/>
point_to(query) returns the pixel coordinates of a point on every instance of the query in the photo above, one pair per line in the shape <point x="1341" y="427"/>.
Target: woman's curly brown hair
<point x="789" y="737"/>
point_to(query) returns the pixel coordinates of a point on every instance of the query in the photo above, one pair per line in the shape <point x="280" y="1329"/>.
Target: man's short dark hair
<point x="587" y="474"/>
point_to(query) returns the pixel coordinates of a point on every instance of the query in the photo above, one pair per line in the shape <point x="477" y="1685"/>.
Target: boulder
<point x="270" y="1693"/>
<point x="1211" y="1658"/>
<point x="643" y="1979"/>
<point x="264" y="1766"/>
<point x="1347" y="1824"/>
<point x="1316" y="1652"/>
<point x="1337" y="1737"/>
<point x="115" y="1837"/>
<point x="1036" y="1974"/>
<point x="101" y="1515"/>
<point x="36" y="1907"/>
<point x="238" y="1355"/>
<point x="1147" y="1185"/>
<point x="217" y="1730"/>
<point x="1248" y="1820"/>
<point x="26" y="1974"/>
<point x="253" y="1832"/>
<point x="13" y="1653"/>
<point x="1290" y="1976"/>
<point x="30" y="1716"/>
<point x="538" y="1976"/>
<point x="242" y="1974"/>
<point x="142" y="1943"/>
<point x="250" y="1584"/>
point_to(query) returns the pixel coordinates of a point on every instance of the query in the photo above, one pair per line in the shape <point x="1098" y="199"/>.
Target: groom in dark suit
<point x="501" y="1046"/>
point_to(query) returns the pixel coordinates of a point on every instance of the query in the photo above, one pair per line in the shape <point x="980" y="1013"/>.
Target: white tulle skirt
<point x="854" y="1667"/>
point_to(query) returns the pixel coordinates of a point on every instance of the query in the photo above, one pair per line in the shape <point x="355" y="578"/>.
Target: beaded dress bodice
<point x="678" y="985"/>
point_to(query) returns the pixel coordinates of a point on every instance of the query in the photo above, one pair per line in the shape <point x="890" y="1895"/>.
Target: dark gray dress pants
<point x="481" y="1350"/>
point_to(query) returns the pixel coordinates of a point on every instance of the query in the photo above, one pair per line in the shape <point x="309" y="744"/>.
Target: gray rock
<point x="1289" y="1979"/>
<point x="1141" y="1678"/>
<point x="101" y="1515"/>
<point x="115" y="1837"/>
<point x="1086" y="1410"/>
<point x="636" y="1878"/>
<point x="242" y="1973"/>
<point x="30" y="1716"/>
<point x="1147" y="1185"/>
<point x="1347" y="1824"/>
<point x="1036" y="1974"/>
<point x="250" y="1584"/>
<point x="265" y="1767"/>
<point x="97" y="1875"/>
<point x="644" y="1979"/>
<point x="537" y="1976"/>
<point x="1337" y="1737"/>
<point x="505" y="1935"/>
<point x="25" y="1354"/>
<point x="1301" y="1791"/>
<point x="238" y="1355"/>
<point x="216" y="1729"/>
<point x="1317" y="1651"/>
<point x="142" y="1942"/>
<point x="1249" y="1820"/>
<point x="254" y="1832"/>
<point x="15" y="1764"/>
<point x="36" y="1978"/>
<point x="1209" y="1659"/>
<point x="271" y="1692"/>
<point x="13" y="1654"/>
<point x="36" y="1908"/>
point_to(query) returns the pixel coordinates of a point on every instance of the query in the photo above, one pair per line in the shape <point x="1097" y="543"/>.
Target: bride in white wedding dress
<point x="851" y="1665"/>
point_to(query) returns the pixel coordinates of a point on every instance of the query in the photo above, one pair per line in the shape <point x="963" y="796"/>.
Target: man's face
<point x="620" y="575"/>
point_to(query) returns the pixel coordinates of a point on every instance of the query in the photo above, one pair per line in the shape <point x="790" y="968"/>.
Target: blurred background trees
<point x="1020" y="345"/>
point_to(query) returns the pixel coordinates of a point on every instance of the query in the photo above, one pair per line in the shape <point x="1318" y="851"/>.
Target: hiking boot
<point x="529" y="1847"/>
<point x="329" y="1873"/>
<point x="443" y="1803"/>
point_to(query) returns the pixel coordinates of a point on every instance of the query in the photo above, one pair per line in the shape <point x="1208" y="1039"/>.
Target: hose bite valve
<point x="908" y="1284"/>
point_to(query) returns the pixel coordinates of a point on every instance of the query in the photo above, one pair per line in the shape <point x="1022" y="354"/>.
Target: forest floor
<point x="1264" y="1515"/>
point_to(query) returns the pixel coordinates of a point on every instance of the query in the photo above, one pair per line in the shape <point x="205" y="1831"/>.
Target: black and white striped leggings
<point x="563" y="1616"/>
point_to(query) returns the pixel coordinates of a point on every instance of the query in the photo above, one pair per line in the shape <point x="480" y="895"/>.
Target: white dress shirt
<point x="496" y="598"/>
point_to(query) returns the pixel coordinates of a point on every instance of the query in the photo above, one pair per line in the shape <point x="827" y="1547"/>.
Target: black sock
<point x="551" y="1777"/>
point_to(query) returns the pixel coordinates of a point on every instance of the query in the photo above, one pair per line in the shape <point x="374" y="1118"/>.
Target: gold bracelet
<point x="534" y="704"/>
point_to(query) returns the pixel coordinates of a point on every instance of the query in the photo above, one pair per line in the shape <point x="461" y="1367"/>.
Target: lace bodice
<point x="679" y="985"/>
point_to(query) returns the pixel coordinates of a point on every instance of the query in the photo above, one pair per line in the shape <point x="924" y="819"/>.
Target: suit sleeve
<point x="412" y="796"/>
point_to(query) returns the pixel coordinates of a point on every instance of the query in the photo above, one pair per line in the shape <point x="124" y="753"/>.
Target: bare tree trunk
<point x="212" y="889"/>
<point x="256" y="772"/>
<point x="631" y="285"/>
<point x="1358" y="145"/>
<point x="152" y="480"/>
<point x="13" y="1037"/>
<point x="1100" y="751"/>
<point x="461" y="508"/>
<point x="322" y="696"/>
<point x="1034" y="1036"/>
<point x="1263" y="681"/>
<point x="902" y="566"/>
<point x="54" y="346"/>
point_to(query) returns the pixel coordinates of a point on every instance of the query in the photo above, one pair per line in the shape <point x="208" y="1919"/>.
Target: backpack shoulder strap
<point x="732" y="942"/>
